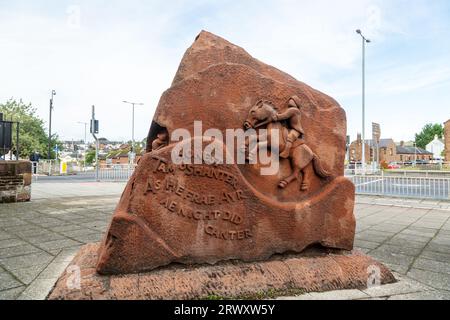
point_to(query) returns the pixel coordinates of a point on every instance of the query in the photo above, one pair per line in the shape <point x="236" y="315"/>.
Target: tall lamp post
<point x="364" y="41"/>
<point x="132" y="124"/>
<point x="85" y="142"/>
<point x="50" y="126"/>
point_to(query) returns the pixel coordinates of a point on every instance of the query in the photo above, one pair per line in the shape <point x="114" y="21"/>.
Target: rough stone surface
<point x="15" y="181"/>
<point x="209" y="213"/>
<point x="312" y="271"/>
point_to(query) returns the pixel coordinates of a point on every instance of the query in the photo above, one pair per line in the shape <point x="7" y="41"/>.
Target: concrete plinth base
<point x="312" y="271"/>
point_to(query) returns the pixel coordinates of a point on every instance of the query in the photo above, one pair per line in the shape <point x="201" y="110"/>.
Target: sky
<point x="101" y="52"/>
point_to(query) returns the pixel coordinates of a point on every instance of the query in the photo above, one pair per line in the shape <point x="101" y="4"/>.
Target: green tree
<point x="32" y="133"/>
<point x="428" y="133"/>
<point x="90" y="156"/>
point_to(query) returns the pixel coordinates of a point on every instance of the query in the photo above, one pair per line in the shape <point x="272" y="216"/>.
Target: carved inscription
<point x="187" y="202"/>
<point x="208" y="171"/>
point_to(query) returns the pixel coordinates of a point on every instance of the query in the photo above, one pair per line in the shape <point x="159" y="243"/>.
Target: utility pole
<point x="94" y="131"/>
<point x="50" y="126"/>
<point x="17" y="141"/>
<point x="364" y="41"/>
<point x="85" y="141"/>
<point x="132" y="125"/>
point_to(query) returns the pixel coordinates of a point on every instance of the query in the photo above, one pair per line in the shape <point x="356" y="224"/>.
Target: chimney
<point x="359" y="139"/>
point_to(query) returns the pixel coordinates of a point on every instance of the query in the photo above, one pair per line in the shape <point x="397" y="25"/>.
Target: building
<point x="408" y="153"/>
<point x="436" y="147"/>
<point x="447" y="140"/>
<point x="388" y="151"/>
<point x="355" y="150"/>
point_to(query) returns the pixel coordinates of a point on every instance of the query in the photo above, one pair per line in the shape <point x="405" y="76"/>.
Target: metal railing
<point x="116" y="172"/>
<point x="421" y="187"/>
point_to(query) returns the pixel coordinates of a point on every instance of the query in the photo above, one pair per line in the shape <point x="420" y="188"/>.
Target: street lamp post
<point x="132" y="124"/>
<point x="364" y="41"/>
<point x="50" y="126"/>
<point x="85" y="142"/>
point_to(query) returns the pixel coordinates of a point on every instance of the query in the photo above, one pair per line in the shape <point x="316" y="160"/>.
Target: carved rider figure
<point x="160" y="141"/>
<point x="293" y="115"/>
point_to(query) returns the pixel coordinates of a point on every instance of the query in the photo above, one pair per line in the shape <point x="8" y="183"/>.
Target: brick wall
<point x="389" y="154"/>
<point x="15" y="181"/>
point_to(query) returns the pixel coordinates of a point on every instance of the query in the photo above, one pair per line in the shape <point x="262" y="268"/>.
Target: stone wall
<point x="15" y="181"/>
<point x="447" y="140"/>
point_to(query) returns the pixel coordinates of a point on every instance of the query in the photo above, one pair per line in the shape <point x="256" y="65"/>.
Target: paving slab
<point x="435" y="280"/>
<point x="424" y="295"/>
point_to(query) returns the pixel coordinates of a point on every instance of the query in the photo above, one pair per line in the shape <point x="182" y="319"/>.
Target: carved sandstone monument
<point x="206" y="225"/>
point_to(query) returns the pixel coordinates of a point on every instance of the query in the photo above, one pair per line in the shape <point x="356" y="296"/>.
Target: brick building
<point x="388" y="150"/>
<point x="447" y="140"/>
<point x="355" y="150"/>
<point x="410" y="153"/>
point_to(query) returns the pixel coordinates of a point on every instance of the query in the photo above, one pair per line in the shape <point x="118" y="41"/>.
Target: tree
<point x="90" y="157"/>
<point x="32" y="132"/>
<point x="428" y="133"/>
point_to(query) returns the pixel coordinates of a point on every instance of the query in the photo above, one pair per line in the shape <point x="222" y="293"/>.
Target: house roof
<point x="412" y="150"/>
<point x="122" y="154"/>
<point x="384" y="143"/>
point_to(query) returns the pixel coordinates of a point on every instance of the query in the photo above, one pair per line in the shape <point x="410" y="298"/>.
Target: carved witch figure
<point x="264" y="115"/>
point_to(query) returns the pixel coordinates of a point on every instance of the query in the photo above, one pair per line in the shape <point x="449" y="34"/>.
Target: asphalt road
<point x="79" y="177"/>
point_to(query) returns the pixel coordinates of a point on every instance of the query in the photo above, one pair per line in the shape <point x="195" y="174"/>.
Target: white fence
<point x="423" y="187"/>
<point x="116" y="172"/>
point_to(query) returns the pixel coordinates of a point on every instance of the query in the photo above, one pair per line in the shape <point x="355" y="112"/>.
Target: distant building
<point x="447" y="140"/>
<point x="356" y="150"/>
<point x="388" y="151"/>
<point x="436" y="147"/>
<point x="72" y="145"/>
<point x="408" y="153"/>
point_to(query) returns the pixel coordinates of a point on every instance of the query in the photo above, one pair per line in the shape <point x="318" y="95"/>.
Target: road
<point x="79" y="177"/>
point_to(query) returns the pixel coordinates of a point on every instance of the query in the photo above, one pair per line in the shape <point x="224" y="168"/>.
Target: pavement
<point x="38" y="239"/>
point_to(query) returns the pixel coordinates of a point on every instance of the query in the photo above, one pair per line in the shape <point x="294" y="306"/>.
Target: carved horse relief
<point x="264" y="115"/>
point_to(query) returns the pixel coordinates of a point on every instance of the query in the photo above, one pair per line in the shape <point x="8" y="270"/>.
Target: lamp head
<point x="358" y="31"/>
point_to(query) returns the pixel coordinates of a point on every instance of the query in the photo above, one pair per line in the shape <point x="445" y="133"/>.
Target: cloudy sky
<point x="105" y="51"/>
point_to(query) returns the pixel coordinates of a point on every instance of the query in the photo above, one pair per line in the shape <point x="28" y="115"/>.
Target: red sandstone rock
<point x="206" y="214"/>
<point x="293" y="274"/>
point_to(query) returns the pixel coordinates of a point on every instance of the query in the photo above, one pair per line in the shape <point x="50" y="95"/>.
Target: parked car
<point x="422" y="162"/>
<point x="394" y="165"/>
<point x="353" y="165"/>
